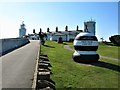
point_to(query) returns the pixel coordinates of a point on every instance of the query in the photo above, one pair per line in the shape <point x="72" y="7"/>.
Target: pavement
<point x="18" y="66"/>
<point x="68" y="48"/>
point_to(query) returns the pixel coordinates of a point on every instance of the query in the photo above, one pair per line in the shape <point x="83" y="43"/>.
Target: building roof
<point x="59" y="34"/>
<point x="70" y="32"/>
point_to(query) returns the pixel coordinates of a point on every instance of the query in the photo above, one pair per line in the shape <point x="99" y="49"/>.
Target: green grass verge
<point x="69" y="74"/>
<point x="107" y="50"/>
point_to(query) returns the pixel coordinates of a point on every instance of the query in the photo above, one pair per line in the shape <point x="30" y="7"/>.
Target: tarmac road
<point x="18" y="66"/>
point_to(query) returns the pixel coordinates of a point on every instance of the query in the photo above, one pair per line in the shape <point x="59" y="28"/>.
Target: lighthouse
<point x="89" y="26"/>
<point x="22" y="30"/>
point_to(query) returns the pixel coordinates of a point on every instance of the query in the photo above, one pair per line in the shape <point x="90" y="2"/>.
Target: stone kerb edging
<point x="42" y="74"/>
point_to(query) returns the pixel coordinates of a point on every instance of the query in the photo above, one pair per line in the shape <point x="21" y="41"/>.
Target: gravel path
<point x="68" y="48"/>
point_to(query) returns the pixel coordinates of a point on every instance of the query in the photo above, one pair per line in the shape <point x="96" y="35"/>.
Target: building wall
<point x="55" y="38"/>
<point x="67" y="36"/>
<point x="22" y="32"/>
<point x="48" y="37"/>
<point x="64" y="38"/>
<point x="90" y="27"/>
<point x="33" y="37"/>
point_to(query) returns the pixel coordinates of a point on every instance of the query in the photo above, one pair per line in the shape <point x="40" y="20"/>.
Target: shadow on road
<point x="107" y="65"/>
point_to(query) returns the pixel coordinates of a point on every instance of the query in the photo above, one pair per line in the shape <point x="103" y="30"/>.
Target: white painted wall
<point x="55" y="38"/>
<point x="22" y="30"/>
<point x="11" y="43"/>
<point x="90" y="26"/>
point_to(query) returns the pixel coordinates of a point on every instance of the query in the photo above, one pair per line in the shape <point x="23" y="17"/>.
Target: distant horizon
<point x="42" y="15"/>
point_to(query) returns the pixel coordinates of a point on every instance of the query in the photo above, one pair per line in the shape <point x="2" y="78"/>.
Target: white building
<point x="33" y="36"/>
<point x="89" y="26"/>
<point x="22" y="30"/>
<point x="66" y="35"/>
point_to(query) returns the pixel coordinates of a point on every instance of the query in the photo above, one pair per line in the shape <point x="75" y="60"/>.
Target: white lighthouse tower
<point x="22" y="30"/>
<point x="89" y="26"/>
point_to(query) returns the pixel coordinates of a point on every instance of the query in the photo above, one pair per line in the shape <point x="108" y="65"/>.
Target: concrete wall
<point x="7" y="45"/>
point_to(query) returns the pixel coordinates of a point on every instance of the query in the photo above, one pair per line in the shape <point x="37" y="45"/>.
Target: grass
<point x="107" y="50"/>
<point x="68" y="74"/>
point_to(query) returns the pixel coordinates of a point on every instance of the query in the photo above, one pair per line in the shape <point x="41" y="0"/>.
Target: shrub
<point x="115" y="39"/>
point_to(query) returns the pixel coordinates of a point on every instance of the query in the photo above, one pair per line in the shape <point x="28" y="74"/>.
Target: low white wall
<point x="9" y="44"/>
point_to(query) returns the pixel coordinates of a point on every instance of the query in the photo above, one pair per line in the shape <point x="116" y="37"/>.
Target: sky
<point x="38" y="15"/>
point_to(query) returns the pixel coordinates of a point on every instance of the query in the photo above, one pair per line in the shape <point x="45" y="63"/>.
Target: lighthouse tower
<point x="89" y="26"/>
<point x="22" y="30"/>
